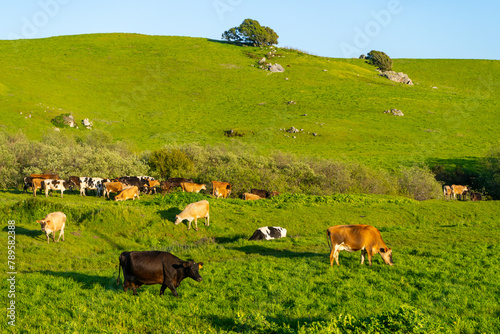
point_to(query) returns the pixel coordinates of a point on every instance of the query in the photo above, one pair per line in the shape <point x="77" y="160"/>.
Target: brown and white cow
<point x="352" y="238"/>
<point x="128" y="193"/>
<point x="61" y="185"/>
<point x="112" y="187"/>
<point x="155" y="267"/>
<point x="191" y="187"/>
<point x="250" y="197"/>
<point x="461" y="191"/>
<point x="194" y="211"/>
<point x="221" y="189"/>
<point x="53" y="222"/>
<point x="447" y="192"/>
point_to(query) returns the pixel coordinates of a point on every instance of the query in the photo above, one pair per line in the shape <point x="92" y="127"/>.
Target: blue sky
<point x="330" y="28"/>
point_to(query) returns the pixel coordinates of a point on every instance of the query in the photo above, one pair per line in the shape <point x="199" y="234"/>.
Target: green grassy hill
<point x="152" y="90"/>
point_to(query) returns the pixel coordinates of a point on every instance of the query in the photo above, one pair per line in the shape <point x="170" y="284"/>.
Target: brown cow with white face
<point x="357" y="237"/>
<point x="53" y="222"/>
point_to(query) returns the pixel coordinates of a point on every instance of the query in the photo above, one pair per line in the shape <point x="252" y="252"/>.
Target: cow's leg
<point x="125" y="284"/>
<point x="369" y="252"/>
<point x="207" y="219"/>
<point x="171" y="286"/>
<point x="54" y="237"/>
<point x="61" y="233"/>
<point x="363" y="254"/>
<point x="48" y="238"/>
<point x="162" y="289"/>
<point x="189" y="224"/>
<point x="196" y="224"/>
<point x="62" y="193"/>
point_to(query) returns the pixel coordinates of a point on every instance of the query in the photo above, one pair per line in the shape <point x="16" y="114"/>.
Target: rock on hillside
<point x="398" y="77"/>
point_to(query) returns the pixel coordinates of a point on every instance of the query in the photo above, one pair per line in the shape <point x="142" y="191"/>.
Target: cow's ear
<point x="200" y="265"/>
<point x="38" y="221"/>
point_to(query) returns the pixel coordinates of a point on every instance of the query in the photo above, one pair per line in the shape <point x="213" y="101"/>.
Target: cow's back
<point x="355" y="236"/>
<point x="195" y="210"/>
<point x="57" y="220"/>
<point x="147" y="267"/>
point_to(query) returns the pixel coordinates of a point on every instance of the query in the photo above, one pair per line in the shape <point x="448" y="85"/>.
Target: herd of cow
<point x="156" y="267"/>
<point x="460" y="192"/>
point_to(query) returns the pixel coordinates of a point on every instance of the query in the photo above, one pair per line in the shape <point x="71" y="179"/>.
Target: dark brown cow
<point x="45" y="176"/>
<point x="260" y="193"/>
<point x="476" y="196"/>
<point x="155" y="267"/>
<point x="357" y="237"/>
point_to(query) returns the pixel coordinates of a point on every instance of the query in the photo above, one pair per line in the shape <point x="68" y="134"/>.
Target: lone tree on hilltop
<point x="380" y="59"/>
<point x="251" y="32"/>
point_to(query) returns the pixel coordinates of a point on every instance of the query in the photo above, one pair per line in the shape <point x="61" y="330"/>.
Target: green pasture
<point x="445" y="277"/>
<point x="149" y="91"/>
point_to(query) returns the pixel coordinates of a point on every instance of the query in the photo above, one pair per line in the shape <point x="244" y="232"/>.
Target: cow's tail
<point x="329" y="239"/>
<point x="118" y="278"/>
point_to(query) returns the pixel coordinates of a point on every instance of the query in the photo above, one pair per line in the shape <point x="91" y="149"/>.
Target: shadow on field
<point x="228" y="240"/>
<point x="87" y="281"/>
<point x="249" y="323"/>
<point x="169" y="214"/>
<point x="257" y="249"/>
<point x="24" y="231"/>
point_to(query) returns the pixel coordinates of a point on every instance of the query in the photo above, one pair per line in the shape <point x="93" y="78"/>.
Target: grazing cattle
<point x="140" y="183"/>
<point x="274" y="193"/>
<point x="268" y="233"/>
<point x="461" y="191"/>
<point x="447" y="192"/>
<point x="28" y="183"/>
<point x="476" y="196"/>
<point x="261" y="193"/>
<point x="53" y="222"/>
<point x="61" y="185"/>
<point x="37" y="184"/>
<point x="250" y="197"/>
<point x="357" y="237"/>
<point x="111" y="187"/>
<point x="128" y="193"/>
<point x="155" y="267"/>
<point x="165" y="186"/>
<point x="91" y="183"/>
<point x="194" y="211"/>
<point x="221" y="189"/>
<point x="151" y="186"/>
<point x="192" y="187"/>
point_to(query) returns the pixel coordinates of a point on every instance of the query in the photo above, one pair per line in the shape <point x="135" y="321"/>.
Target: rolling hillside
<point x="152" y="90"/>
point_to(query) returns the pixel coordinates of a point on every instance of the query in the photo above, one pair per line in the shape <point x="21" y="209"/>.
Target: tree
<point x="251" y="32"/>
<point x="168" y="163"/>
<point x="380" y="59"/>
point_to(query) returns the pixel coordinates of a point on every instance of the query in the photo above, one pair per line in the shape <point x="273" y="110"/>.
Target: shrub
<point x="380" y="59"/>
<point x="490" y="176"/>
<point x="170" y="163"/>
<point x="418" y="183"/>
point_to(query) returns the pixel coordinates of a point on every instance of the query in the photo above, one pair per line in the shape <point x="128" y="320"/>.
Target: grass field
<point x="184" y="90"/>
<point x="444" y="279"/>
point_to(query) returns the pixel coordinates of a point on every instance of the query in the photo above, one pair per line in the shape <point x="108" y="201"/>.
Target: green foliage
<point x="380" y="59"/>
<point x="491" y="175"/>
<point x="170" y="163"/>
<point x="251" y="32"/>
<point x="58" y="121"/>
<point x="419" y="183"/>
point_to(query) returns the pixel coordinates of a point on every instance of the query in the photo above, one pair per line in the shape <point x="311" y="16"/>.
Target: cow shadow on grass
<point x="248" y="324"/>
<point x="86" y="281"/>
<point x="169" y="214"/>
<point x="35" y="232"/>
<point x="268" y="251"/>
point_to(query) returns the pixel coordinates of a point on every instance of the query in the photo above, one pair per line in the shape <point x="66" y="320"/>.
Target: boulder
<point x="397" y="77"/>
<point x="276" y="68"/>
<point x="69" y="120"/>
<point x="262" y="61"/>
<point x="87" y="123"/>
<point x="395" y="112"/>
<point x="293" y="130"/>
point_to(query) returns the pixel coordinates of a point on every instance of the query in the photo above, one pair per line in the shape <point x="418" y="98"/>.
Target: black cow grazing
<point x="268" y="233"/>
<point x="476" y="196"/>
<point x="155" y="267"/>
<point x="261" y="193"/>
<point x="137" y="181"/>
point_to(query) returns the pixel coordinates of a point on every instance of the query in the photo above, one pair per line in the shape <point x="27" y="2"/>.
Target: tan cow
<point x="221" y="189"/>
<point x="112" y="187"/>
<point x="447" y="191"/>
<point x="128" y="193"/>
<point x="53" y="222"/>
<point x="192" y="187"/>
<point x="152" y="186"/>
<point x="461" y="191"/>
<point x="250" y="197"/>
<point x="37" y="184"/>
<point x="194" y="211"/>
<point x="357" y="237"/>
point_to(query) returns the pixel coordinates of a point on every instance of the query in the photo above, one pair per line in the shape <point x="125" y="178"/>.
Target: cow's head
<point x="386" y="254"/>
<point x="43" y="224"/>
<point x="192" y="269"/>
<point x="177" y="219"/>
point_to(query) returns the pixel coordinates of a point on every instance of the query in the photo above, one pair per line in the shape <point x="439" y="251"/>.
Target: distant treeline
<point x="96" y="155"/>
